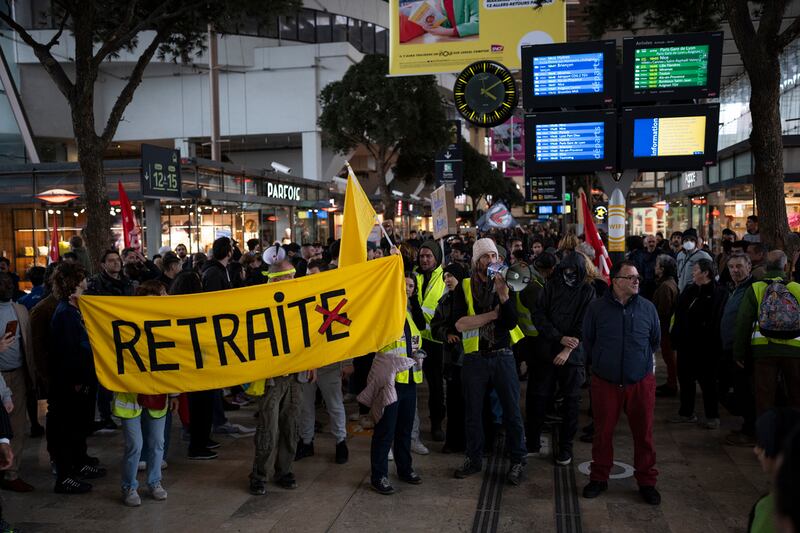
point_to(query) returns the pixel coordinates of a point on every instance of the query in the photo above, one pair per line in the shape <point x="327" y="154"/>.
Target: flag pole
<point x="352" y="174"/>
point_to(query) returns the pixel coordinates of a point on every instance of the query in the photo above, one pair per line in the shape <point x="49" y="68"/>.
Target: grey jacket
<point x="686" y="262"/>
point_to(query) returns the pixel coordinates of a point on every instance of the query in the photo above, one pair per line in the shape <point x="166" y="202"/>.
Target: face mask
<point x="570" y="278"/>
<point x="689" y="246"/>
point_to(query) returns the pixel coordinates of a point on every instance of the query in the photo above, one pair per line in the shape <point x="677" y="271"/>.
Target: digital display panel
<point x="669" y="136"/>
<point x="673" y="66"/>
<point x="568" y="74"/>
<point x="576" y="141"/>
<point x="561" y="75"/>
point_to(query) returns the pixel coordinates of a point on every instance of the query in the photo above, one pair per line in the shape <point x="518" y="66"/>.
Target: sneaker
<point x="158" y="492"/>
<point x="287" y="482"/>
<point x="679" y="419"/>
<point x="228" y="428"/>
<point x="91" y="472"/>
<point x="202" y="455"/>
<point x="304" y="450"/>
<point x="142" y="466"/>
<point x="594" y="488"/>
<point x="650" y="495"/>
<point x="212" y="445"/>
<point x="391" y="455"/>
<point x="737" y="438"/>
<point x="366" y="422"/>
<point x="412" y="479"/>
<point x="130" y="497"/>
<point x="468" y="468"/>
<point x="342" y="453"/>
<point x="258" y="487"/>
<point x="71" y="486"/>
<point x="564" y="458"/>
<point x="515" y="474"/>
<point x="419" y="448"/>
<point x="711" y="423"/>
<point x="382" y="486"/>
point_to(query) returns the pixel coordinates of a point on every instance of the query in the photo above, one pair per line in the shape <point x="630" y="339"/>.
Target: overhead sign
<point x="600" y="212"/>
<point x="161" y="172"/>
<point x="443" y="210"/>
<point x="427" y="36"/>
<point x="449" y="162"/>
<point x="508" y="146"/>
<point x="544" y="190"/>
<point x="283" y="191"/>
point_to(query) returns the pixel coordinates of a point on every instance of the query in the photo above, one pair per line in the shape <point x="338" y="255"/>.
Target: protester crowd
<point x="728" y="322"/>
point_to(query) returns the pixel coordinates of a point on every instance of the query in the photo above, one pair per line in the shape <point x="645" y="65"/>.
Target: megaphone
<point x="518" y="276"/>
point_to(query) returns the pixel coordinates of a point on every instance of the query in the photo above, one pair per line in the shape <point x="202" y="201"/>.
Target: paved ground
<point x="706" y="488"/>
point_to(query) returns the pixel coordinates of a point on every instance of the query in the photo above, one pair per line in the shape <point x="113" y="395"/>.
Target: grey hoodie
<point x="686" y="262"/>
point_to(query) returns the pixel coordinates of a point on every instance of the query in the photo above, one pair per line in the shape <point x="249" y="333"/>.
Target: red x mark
<point x="330" y="316"/>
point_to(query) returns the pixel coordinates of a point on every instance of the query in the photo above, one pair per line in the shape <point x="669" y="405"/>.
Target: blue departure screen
<point x="568" y="74"/>
<point x="573" y="141"/>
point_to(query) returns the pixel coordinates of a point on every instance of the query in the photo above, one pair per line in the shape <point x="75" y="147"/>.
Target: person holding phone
<point x="15" y="364"/>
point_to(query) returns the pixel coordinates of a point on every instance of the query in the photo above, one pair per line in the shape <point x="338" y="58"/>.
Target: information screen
<point x="669" y="136"/>
<point x="568" y="74"/>
<point x="673" y="66"/>
<point x="575" y="141"/>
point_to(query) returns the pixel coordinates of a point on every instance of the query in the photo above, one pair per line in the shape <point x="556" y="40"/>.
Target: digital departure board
<point x="671" y="67"/>
<point x="570" y="142"/>
<point x="682" y="137"/>
<point x="568" y="74"/>
<point x="576" y="141"/>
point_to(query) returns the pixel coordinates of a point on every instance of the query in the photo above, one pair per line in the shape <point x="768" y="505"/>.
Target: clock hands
<point x="485" y="92"/>
<point x="498" y="82"/>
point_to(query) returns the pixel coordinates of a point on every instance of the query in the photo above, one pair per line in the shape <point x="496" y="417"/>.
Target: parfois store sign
<point x="283" y="191"/>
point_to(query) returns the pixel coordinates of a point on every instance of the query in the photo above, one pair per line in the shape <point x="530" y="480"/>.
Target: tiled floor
<point x="706" y="487"/>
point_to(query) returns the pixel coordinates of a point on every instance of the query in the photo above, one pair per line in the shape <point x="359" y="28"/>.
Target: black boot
<point x="304" y="450"/>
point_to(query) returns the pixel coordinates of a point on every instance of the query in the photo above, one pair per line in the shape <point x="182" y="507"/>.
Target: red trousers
<point x="638" y="402"/>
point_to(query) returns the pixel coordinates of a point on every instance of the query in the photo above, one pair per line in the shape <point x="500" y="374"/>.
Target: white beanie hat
<point x="164" y="249"/>
<point x="481" y="248"/>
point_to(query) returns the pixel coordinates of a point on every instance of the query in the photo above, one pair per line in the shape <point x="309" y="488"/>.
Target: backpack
<point x="779" y="312"/>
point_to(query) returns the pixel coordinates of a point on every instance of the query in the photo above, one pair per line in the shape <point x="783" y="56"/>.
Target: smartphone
<point x="11" y="328"/>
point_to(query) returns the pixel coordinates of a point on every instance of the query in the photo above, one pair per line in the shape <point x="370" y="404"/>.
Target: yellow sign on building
<point x="429" y="36"/>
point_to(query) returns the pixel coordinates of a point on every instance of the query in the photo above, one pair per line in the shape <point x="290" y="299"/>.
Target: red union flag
<point x="601" y="259"/>
<point x="130" y="227"/>
<point x="54" y="254"/>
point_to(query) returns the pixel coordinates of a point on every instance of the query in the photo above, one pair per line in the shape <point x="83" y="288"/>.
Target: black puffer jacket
<point x="215" y="276"/>
<point x="560" y="308"/>
<point x="104" y="285"/>
<point x="698" y="317"/>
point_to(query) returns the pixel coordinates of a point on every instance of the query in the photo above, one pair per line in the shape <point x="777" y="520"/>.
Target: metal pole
<point x="213" y="77"/>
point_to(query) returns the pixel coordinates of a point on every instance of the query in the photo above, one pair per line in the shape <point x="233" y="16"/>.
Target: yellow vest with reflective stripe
<point x="524" y="317"/>
<point x="470" y="339"/>
<point x="398" y="348"/>
<point x="126" y="406"/>
<point x="433" y="293"/>
<point x="760" y="288"/>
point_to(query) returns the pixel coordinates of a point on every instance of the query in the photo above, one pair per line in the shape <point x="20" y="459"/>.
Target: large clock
<point x="485" y="93"/>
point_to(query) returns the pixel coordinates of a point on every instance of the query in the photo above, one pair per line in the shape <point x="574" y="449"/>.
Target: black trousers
<point x="736" y="391"/>
<point x="358" y="379"/>
<point x="698" y="366"/>
<point x="67" y="427"/>
<point x="546" y="376"/>
<point x="433" y="369"/>
<point x="454" y="436"/>
<point x="201" y="408"/>
<point x="394" y="429"/>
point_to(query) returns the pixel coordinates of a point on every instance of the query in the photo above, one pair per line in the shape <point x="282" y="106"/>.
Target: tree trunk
<point x="766" y="144"/>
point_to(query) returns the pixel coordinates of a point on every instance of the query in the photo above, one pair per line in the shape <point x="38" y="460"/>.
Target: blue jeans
<point x="145" y="437"/>
<point x="132" y="430"/>
<point x="500" y="370"/>
<point x="394" y="427"/>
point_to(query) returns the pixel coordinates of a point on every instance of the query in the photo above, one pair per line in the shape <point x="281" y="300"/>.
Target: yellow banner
<point x="429" y="36"/>
<point x="162" y="344"/>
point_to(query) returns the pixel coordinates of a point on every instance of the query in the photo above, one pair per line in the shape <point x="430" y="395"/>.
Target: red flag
<point x="601" y="259"/>
<point x="130" y="227"/>
<point x="54" y="254"/>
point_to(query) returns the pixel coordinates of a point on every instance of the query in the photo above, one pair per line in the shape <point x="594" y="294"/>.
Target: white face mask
<point x="689" y="246"/>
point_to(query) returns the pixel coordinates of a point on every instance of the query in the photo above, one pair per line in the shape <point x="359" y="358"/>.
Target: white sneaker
<point x="366" y="422"/>
<point x="419" y="448"/>
<point x="131" y="498"/>
<point x="158" y="492"/>
<point x="391" y="455"/>
<point x="142" y="466"/>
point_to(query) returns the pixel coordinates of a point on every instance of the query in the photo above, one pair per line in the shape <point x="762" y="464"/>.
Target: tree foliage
<point x="759" y="47"/>
<point x="172" y="29"/>
<point x="388" y="116"/>
<point x="481" y="180"/>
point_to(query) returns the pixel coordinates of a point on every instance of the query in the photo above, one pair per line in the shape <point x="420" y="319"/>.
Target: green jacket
<point x="746" y="318"/>
<point x="466" y="13"/>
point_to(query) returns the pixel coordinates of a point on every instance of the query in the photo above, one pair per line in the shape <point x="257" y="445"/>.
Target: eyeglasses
<point x="632" y="279"/>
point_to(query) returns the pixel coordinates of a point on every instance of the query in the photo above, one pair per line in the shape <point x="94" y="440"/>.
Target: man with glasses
<point x="621" y="332"/>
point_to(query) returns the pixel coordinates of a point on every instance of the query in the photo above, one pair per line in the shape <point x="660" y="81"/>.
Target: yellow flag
<point x="359" y="219"/>
<point x="157" y="345"/>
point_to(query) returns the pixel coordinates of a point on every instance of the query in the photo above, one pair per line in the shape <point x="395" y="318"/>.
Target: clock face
<point x="485" y="93"/>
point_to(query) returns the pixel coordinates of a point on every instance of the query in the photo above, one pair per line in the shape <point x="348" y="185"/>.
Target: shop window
<point x="381" y="40"/>
<point x="743" y="164"/>
<point x="339" y="29"/>
<point x="233" y="184"/>
<point x="324" y="28"/>
<point x="250" y="186"/>
<point x="208" y="180"/>
<point x="368" y="37"/>
<point x="726" y="169"/>
<point x="791" y="159"/>
<point x="713" y="174"/>
<point x="288" y="25"/>
<point x="306" y="26"/>
<point x="354" y="33"/>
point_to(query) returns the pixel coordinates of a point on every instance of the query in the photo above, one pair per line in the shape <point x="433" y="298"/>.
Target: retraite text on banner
<point x="157" y="345"/>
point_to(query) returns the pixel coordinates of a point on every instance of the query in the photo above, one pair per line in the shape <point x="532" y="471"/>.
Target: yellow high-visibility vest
<point x="760" y="288"/>
<point x="398" y="348"/>
<point x="126" y="406"/>
<point x="524" y="316"/>
<point x="470" y="339"/>
<point x="428" y="301"/>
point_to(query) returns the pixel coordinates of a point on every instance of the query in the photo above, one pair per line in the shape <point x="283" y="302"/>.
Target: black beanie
<point x="435" y="249"/>
<point x="457" y="271"/>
